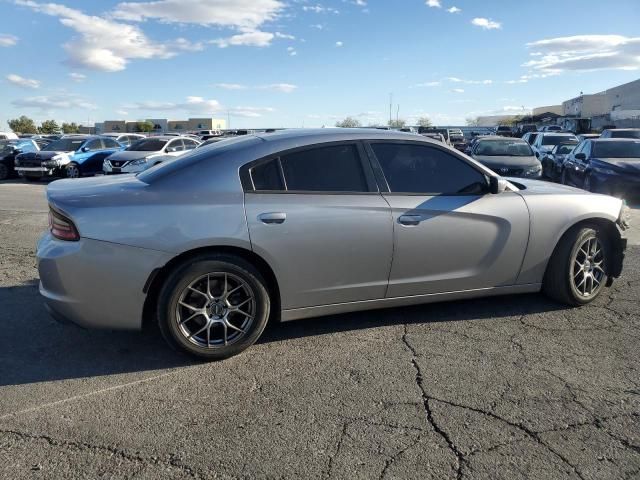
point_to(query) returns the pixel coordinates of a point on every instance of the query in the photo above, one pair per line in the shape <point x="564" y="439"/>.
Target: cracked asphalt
<point x="500" y="388"/>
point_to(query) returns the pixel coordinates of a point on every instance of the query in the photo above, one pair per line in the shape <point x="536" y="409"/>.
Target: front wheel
<point x="214" y="306"/>
<point x="72" y="170"/>
<point x="577" y="270"/>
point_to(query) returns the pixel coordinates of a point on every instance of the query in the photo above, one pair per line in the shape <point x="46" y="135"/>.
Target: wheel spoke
<point x="209" y="286"/>
<point x="193" y="334"/>
<point x="198" y="292"/>
<point x="190" y="318"/>
<point x="233" y="290"/>
<point x="232" y="326"/>
<point x="190" y="307"/>
<point x="224" y="325"/>
<point x="241" y="304"/>
<point x="243" y="313"/>
<point x="208" y="335"/>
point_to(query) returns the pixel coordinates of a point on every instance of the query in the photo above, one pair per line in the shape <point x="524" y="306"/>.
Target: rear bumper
<point x="95" y="284"/>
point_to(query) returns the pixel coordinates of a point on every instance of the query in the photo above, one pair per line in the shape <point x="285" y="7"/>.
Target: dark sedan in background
<point x="605" y="165"/>
<point x="510" y="157"/>
<point x="552" y="161"/>
<point x="8" y="151"/>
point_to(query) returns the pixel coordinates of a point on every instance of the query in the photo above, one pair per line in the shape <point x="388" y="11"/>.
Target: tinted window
<point x="64" y="145"/>
<point x="110" y="143"/>
<point x="505" y="148"/>
<point x="326" y="169"/>
<point x="617" y="150"/>
<point x="565" y="149"/>
<point x="556" y="139"/>
<point x="625" y="133"/>
<point x="423" y="169"/>
<point x="267" y="176"/>
<point x="532" y="138"/>
<point x="94" y="145"/>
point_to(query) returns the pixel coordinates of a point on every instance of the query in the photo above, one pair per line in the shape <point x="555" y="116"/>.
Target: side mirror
<point x="497" y="185"/>
<point x="84" y="149"/>
<point x="581" y="156"/>
<point x="17" y="151"/>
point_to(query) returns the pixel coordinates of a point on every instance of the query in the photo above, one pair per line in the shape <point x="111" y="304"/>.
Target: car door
<point x="315" y="215"/>
<point x="570" y="164"/>
<point x="450" y="234"/>
<point x="580" y="164"/>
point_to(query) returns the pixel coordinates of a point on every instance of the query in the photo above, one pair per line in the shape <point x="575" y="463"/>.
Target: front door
<point x="449" y="233"/>
<point x="316" y="217"/>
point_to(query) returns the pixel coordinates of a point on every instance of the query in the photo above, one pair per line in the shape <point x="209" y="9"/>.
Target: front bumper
<point x="110" y="169"/>
<point x="36" y="171"/>
<point x="95" y="284"/>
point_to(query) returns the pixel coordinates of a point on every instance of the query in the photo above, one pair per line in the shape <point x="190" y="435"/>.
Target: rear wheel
<point x="577" y="269"/>
<point x="213" y="307"/>
<point x="72" y="170"/>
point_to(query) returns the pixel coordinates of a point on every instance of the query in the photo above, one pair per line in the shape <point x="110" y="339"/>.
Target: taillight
<point x="62" y="227"/>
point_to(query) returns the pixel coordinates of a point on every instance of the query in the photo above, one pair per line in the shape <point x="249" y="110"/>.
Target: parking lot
<point x="511" y="387"/>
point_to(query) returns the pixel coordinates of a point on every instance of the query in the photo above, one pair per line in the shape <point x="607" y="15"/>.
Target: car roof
<point x="310" y="135"/>
<point x="603" y="140"/>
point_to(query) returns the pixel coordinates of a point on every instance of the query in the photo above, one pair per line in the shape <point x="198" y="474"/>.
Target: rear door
<point x="316" y="216"/>
<point x="450" y="234"/>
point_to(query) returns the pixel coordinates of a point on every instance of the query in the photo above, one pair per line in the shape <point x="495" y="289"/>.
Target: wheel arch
<point x="158" y="276"/>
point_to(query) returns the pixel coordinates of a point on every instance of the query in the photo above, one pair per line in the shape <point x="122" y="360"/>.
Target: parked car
<point x="72" y="157"/>
<point x="605" y="165"/>
<point x="545" y="141"/>
<point x="124" y="139"/>
<point x="553" y="161"/>
<point x="551" y="128"/>
<point x="146" y="153"/>
<point x="584" y="136"/>
<point x="8" y="151"/>
<point x="504" y="131"/>
<point x="434" y="136"/>
<point x="442" y="131"/>
<point x="8" y="136"/>
<point x="528" y="127"/>
<point x="295" y="224"/>
<point x="456" y="139"/>
<point x="509" y="157"/>
<point x="621" y="133"/>
<point x="530" y="137"/>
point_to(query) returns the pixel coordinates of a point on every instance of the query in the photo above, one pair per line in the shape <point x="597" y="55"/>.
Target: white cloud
<point x="486" y="23"/>
<point x="319" y="9"/>
<point x="457" y="90"/>
<point x="428" y="84"/>
<point x="124" y="113"/>
<point x="254" y="38"/>
<point x="585" y="53"/>
<point x="433" y="3"/>
<point x="241" y="14"/>
<point x="469" y="82"/>
<point x="279" y="87"/>
<point x="454" y="9"/>
<point x="317" y="26"/>
<point x="339" y="44"/>
<point x="77" y="77"/>
<point x="360" y="3"/>
<point x="22" y="82"/>
<point x="7" y="40"/>
<point x="104" y="44"/>
<point x="250" y="112"/>
<point x="53" y="102"/>
<point x="231" y="86"/>
<point x="292" y="51"/>
<point x="286" y="36"/>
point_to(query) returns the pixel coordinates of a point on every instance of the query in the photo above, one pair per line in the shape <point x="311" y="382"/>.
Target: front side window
<point x="625" y="133"/>
<point x="92" y="145"/>
<point x="147" y="145"/>
<point x="175" y="146"/>
<point x="411" y="168"/>
<point x="110" y="143"/>
<point x="64" y="145"/>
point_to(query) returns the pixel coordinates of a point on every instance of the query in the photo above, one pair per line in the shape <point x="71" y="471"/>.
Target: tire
<point x="4" y="172"/>
<point x="201" y="333"/>
<point x="72" y="170"/>
<point x="563" y="278"/>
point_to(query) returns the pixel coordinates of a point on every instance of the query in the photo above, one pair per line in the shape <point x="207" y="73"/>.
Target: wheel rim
<point x="216" y="310"/>
<point x="73" y="172"/>
<point x="588" y="265"/>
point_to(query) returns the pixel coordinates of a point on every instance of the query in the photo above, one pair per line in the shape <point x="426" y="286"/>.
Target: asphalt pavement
<point x="500" y="388"/>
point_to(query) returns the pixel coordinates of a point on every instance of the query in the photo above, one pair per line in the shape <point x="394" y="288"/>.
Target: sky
<point x="299" y="63"/>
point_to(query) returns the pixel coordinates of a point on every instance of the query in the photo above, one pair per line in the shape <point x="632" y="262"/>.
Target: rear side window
<point x="266" y="176"/>
<point x="110" y="143"/>
<point x="426" y="170"/>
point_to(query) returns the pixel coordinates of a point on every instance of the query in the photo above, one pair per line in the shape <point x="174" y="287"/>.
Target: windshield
<point x="147" y="145"/>
<point x="617" y="150"/>
<point x="625" y="134"/>
<point x="64" y="145"/>
<point x="556" y="139"/>
<point x="565" y="149"/>
<point x="506" y="148"/>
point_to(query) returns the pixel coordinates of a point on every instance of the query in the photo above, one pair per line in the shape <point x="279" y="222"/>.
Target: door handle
<point x="410" y="219"/>
<point x="271" y="218"/>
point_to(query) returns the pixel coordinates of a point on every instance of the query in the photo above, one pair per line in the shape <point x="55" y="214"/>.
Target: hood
<point x="74" y="194"/>
<point x="540" y="187"/>
<point x="496" y="162"/>
<point x="626" y="165"/>
<point x="38" y="155"/>
<point x="128" y="155"/>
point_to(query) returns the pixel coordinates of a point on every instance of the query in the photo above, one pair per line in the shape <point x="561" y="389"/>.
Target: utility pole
<point x="398" y="114"/>
<point x="390" y="107"/>
<point x="228" y="120"/>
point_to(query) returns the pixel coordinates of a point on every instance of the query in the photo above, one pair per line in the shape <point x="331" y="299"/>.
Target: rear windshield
<point x="147" y="145"/>
<point x="556" y="139"/>
<point x="617" y="150"/>
<point x="65" y="145"/>
<point x="625" y="134"/>
<point x="506" y="148"/>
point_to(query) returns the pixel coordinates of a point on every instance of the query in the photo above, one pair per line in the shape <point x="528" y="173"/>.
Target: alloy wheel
<point x="73" y="171"/>
<point x="216" y="310"/>
<point x="587" y="267"/>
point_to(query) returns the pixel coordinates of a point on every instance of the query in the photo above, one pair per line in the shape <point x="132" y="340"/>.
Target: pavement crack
<point x="426" y="400"/>
<point x="343" y="434"/>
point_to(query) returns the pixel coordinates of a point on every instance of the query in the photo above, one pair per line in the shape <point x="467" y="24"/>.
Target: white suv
<point x="545" y="141"/>
<point x="146" y="153"/>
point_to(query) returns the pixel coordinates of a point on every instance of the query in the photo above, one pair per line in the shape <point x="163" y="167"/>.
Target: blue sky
<point x="299" y="63"/>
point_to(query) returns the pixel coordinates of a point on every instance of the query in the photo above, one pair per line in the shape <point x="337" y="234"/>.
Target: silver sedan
<point x="305" y="223"/>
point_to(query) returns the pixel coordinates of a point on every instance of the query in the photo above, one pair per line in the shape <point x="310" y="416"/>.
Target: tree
<point x="49" y="126"/>
<point x="70" y="127"/>
<point x="145" y="126"/>
<point x="22" y="125"/>
<point x="348" y="122"/>
<point x="398" y="123"/>
<point x="424" y="122"/>
<point x="472" y="121"/>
